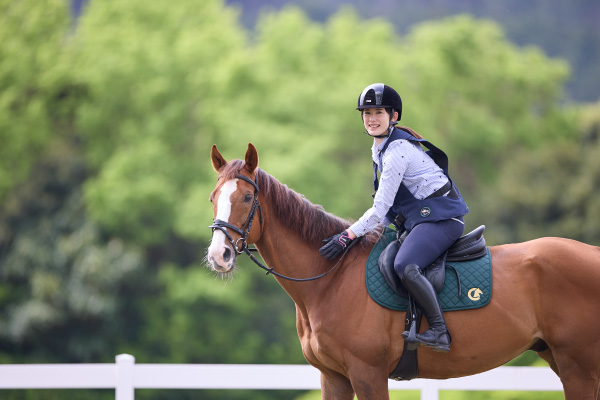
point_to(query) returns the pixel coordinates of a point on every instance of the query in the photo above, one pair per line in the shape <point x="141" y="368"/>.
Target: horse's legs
<point x="369" y="383"/>
<point x="549" y="358"/>
<point x="335" y="386"/>
<point x="367" y="390"/>
<point x="578" y="386"/>
<point x="580" y="379"/>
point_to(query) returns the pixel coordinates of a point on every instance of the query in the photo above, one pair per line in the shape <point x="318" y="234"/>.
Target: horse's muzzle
<point x="221" y="258"/>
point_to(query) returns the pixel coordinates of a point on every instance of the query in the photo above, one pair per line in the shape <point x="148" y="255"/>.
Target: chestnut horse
<point x="546" y="294"/>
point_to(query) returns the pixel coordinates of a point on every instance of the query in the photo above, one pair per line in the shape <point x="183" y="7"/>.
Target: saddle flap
<point x="386" y="266"/>
<point x="435" y="273"/>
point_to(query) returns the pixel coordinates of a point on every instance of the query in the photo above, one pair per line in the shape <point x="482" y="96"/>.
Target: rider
<point x="417" y="195"/>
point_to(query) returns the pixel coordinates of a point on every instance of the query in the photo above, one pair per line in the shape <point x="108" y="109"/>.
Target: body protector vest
<point x="434" y="208"/>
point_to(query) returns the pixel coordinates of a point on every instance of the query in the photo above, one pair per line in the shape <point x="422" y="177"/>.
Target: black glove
<point x="335" y="245"/>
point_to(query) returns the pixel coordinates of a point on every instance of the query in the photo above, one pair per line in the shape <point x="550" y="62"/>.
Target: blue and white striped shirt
<point x="403" y="162"/>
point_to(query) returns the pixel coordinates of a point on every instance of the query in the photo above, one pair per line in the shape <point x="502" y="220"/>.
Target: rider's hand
<point x="335" y="245"/>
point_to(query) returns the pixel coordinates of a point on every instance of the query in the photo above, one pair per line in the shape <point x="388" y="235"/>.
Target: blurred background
<point x="108" y="110"/>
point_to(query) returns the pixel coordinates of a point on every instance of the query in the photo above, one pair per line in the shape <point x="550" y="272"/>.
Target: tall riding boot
<point x="437" y="336"/>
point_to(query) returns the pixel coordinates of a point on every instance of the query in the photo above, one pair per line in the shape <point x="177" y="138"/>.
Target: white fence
<point x="125" y="376"/>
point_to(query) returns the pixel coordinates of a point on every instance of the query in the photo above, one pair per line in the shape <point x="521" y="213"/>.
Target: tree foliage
<point x="104" y="176"/>
<point x="157" y="100"/>
<point x="60" y="277"/>
<point x="33" y="84"/>
<point x="549" y="191"/>
<point x="160" y="98"/>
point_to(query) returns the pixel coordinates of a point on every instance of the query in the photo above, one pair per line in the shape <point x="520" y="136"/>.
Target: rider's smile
<point x="377" y="121"/>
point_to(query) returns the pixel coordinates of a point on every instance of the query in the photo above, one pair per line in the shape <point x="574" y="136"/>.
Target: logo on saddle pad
<point x="475" y="294"/>
<point x="425" y="212"/>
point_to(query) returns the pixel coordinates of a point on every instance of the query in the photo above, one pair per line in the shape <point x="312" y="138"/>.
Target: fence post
<point x="124" y="389"/>
<point x="430" y="391"/>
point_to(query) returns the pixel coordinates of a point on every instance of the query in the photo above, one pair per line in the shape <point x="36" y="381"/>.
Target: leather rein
<point x="223" y="226"/>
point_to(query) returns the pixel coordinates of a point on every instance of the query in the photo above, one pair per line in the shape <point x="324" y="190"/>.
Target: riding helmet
<point x="379" y="95"/>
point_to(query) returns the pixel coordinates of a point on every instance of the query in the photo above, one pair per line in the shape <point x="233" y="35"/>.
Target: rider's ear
<point x="217" y="159"/>
<point x="251" y="158"/>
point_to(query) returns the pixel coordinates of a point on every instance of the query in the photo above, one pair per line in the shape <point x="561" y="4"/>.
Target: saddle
<point x="469" y="247"/>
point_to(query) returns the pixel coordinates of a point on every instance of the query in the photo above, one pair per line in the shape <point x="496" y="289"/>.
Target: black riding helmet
<point x="379" y="95"/>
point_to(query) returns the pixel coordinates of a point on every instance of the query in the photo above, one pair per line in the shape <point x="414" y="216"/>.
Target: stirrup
<point x="410" y="337"/>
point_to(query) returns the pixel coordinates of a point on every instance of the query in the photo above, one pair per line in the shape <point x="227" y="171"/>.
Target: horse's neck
<point x="283" y="250"/>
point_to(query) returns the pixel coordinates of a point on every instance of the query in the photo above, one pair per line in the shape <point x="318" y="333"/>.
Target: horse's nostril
<point x="226" y="254"/>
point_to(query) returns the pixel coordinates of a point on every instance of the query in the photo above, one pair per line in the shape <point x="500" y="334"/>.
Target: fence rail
<point x="125" y="376"/>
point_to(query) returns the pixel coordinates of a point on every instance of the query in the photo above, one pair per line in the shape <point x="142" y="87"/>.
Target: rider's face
<point x="376" y="120"/>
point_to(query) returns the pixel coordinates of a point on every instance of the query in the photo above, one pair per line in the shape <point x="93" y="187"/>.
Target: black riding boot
<point x="437" y="336"/>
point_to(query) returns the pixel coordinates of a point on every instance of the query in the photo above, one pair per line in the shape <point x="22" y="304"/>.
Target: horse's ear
<point x="251" y="158"/>
<point x="217" y="159"/>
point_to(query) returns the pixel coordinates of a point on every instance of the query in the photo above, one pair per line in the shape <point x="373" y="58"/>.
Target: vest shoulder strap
<point x="440" y="158"/>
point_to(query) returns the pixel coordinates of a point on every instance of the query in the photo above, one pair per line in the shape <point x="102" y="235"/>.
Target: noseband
<point x="223" y="226"/>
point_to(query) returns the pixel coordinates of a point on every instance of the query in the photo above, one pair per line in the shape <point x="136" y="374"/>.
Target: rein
<point x="270" y="270"/>
<point x="223" y="226"/>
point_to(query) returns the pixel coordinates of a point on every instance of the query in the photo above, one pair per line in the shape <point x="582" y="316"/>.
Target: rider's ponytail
<point x="415" y="134"/>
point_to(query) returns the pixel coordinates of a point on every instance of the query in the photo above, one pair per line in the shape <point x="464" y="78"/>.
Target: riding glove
<point x="335" y="245"/>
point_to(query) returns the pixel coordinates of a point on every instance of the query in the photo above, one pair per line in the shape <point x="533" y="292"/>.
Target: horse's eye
<point x="248" y="198"/>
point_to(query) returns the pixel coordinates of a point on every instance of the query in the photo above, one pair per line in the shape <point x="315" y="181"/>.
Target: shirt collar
<point x="377" y="148"/>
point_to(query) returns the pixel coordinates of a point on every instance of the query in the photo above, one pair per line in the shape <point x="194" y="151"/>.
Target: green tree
<point x="479" y="97"/>
<point x="156" y="81"/>
<point x="61" y="281"/>
<point x="549" y="191"/>
<point x="35" y="90"/>
<point x="300" y="108"/>
<point x="464" y="87"/>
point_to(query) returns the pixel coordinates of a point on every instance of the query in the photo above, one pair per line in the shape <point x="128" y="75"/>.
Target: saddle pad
<point x="475" y="279"/>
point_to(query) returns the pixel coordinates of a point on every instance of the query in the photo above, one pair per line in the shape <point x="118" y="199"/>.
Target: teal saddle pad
<point x="475" y="281"/>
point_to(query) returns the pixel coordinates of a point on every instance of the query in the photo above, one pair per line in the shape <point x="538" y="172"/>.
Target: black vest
<point x="431" y="209"/>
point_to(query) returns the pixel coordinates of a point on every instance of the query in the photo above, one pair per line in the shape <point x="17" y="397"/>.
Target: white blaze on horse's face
<point x="220" y="255"/>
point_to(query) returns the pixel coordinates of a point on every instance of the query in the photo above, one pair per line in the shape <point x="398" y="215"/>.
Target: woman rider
<point x="414" y="188"/>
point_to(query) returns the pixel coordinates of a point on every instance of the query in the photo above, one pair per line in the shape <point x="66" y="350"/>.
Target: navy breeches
<point x="426" y="242"/>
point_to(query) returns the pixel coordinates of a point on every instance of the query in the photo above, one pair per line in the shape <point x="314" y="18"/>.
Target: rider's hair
<point x="415" y="134"/>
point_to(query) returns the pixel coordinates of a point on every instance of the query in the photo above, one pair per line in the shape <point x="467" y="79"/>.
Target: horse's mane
<point x="310" y="221"/>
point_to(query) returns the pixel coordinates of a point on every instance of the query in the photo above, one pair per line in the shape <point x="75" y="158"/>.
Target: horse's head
<point x="235" y="204"/>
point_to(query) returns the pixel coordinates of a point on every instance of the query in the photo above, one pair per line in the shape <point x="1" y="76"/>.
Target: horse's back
<point x="551" y="266"/>
<point x="551" y="253"/>
<point x="557" y="279"/>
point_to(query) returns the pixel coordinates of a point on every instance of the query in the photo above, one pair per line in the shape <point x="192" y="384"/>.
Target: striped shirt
<point x="403" y="162"/>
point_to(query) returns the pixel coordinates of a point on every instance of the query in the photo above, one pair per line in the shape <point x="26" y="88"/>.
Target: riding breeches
<point x="426" y="242"/>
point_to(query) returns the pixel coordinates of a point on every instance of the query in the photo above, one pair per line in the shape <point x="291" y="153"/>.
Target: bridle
<point x="223" y="226"/>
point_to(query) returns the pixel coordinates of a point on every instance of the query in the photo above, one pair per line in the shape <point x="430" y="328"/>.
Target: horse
<point x="546" y="295"/>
